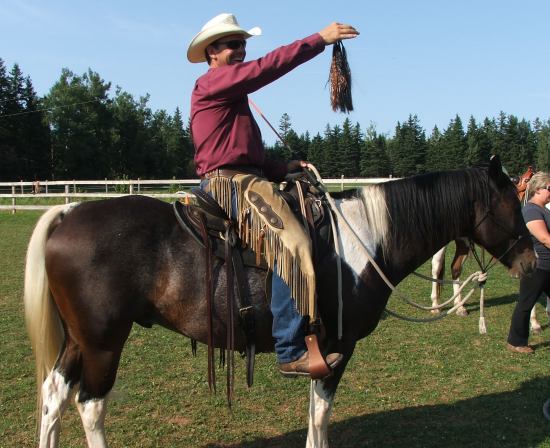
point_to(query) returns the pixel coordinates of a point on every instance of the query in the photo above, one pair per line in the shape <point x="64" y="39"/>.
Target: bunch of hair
<point x="340" y="80"/>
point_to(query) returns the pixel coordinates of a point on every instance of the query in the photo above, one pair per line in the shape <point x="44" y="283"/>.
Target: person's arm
<point x="243" y="78"/>
<point x="236" y="80"/>
<point x="539" y="230"/>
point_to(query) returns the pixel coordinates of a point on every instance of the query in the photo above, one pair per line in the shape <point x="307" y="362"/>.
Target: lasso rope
<point x="479" y="276"/>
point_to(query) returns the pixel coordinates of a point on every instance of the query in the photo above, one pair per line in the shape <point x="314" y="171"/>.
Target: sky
<point x="430" y="58"/>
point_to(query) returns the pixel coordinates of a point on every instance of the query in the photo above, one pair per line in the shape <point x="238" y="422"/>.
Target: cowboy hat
<point x="221" y="25"/>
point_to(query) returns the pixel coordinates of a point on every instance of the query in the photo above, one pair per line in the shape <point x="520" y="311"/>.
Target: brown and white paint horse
<point x="82" y="296"/>
<point x="462" y="250"/>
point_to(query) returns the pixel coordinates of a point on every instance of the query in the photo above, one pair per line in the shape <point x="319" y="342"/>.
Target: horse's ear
<point x="495" y="167"/>
<point x="495" y="170"/>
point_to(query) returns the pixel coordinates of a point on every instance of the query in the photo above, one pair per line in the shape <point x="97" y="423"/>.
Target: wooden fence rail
<point x="13" y="192"/>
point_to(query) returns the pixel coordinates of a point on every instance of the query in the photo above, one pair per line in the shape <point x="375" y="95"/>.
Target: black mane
<point x="418" y="205"/>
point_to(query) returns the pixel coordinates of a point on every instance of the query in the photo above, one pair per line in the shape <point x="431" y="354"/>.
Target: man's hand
<point x="338" y="31"/>
<point x="295" y="165"/>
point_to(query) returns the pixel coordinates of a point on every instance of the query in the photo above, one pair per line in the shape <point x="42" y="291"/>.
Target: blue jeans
<point x="288" y="325"/>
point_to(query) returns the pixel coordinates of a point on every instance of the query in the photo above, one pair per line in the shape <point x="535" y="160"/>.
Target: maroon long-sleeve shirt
<point x="224" y="130"/>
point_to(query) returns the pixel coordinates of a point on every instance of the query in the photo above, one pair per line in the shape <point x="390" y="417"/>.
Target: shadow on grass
<point x="492" y="302"/>
<point x="511" y="298"/>
<point x="505" y="420"/>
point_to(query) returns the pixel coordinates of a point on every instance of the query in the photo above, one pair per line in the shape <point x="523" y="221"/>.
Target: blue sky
<point x="431" y="58"/>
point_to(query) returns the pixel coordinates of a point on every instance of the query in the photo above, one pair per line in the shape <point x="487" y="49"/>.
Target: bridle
<point x="493" y="260"/>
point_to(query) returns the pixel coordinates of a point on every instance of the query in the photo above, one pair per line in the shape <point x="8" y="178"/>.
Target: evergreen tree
<point x="408" y="148"/>
<point x="374" y="157"/>
<point x="130" y="136"/>
<point x="490" y="130"/>
<point x="8" y="106"/>
<point x="289" y="137"/>
<point x="454" y="145"/>
<point x="435" y="152"/>
<point x="522" y="143"/>
<point x="498" y="138"/>
<point x="296" y="146"/>
<point x="332" y="166"/>
<point x="180" y="149"/>
<point x="80" y="121"/>
<point x="349" y="150"/>
<point x="156" y="156"/>
<point x="169" y="150"/>
<point x="478" y="144"/>
<point x="24" y="138"/>
<point x="315" y="154"/>
<point x="542" y="153"/>
<point x="34" y="136"/>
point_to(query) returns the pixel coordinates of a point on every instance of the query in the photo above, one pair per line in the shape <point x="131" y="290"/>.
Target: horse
<point x="462" y="250"/>
<point x="94" y="269"/>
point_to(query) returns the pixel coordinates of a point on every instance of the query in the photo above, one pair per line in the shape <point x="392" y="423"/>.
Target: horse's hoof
<point x="546" y="409"/>
<point x="435" y="311"/>
<point x="536" y="330"/>
<point x="462" y="312"/>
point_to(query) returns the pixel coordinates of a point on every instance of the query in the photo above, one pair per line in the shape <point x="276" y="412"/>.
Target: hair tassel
<point x="340" y="80"/>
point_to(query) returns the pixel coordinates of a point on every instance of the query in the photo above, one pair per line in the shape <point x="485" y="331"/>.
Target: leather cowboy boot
<point x="300" y="367"/>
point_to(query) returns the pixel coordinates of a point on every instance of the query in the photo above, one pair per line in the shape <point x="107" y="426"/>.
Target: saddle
<point x="208" y="224"/>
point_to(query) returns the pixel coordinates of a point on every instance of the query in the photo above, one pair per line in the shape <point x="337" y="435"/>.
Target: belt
<point x="231" y="171"/>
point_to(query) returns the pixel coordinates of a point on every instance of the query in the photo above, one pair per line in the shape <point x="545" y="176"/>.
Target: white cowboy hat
<point x="221" y="25"/>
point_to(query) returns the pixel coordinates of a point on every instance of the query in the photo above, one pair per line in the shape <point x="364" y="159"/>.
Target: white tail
<point x="41" y="315"/>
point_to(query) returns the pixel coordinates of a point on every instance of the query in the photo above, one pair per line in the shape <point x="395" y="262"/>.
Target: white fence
<point x="11" y="193"/>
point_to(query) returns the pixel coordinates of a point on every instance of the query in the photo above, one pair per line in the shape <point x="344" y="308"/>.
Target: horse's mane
<point x="416" y="206"/>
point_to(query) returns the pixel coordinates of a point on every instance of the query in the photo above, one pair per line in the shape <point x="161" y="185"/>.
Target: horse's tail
<point x="42" y="318"/>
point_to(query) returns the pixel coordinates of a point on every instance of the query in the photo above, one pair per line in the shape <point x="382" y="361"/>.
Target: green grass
<point x="407" y="385"/>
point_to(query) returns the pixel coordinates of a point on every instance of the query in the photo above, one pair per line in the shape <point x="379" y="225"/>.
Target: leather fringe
<point x="256" y="233"/>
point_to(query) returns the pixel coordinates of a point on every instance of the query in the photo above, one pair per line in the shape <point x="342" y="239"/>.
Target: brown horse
<point x="462" y="250"/>
<point x="95" y="268"/>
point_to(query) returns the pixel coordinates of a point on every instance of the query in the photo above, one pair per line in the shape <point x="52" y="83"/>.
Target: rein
<point x="479" y="276"/>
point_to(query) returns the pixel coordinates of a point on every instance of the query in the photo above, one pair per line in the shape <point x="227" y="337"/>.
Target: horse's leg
<point x="321" y="399"/>
<point x="98" y="376"/>
<point x="56" y="392"/>
<point x="462" y="251"/>
<point x="320" y="408"/>
<point x="92" y="413"/>
<point x="536" y="327"/>
<point x="438" y="271"/>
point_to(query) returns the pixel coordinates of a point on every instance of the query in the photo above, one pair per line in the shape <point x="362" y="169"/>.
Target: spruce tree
<point x="7" y="140"/>
<point x="454" y="145"/>
<point x="542" y="153"/>
<point x="34" y="136"/>
<point x="180" y="148"/>
<point x="332" y="166"/>
<point x="435" y="160"/>
<point x="408" y="148"/>
<point x="315" y="152"/>
<point x="375" y="161"/>
<point x="349" y="150"/>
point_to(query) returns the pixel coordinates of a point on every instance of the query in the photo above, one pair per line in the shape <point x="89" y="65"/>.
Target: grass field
<point x="407" y="385"/>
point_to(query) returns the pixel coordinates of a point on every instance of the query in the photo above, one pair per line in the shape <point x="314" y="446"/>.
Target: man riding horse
<point x="230" y="160"/>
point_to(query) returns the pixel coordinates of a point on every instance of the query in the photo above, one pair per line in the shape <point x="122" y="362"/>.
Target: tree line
<point x="79" y="130"/>
<point x="347" y="150"/>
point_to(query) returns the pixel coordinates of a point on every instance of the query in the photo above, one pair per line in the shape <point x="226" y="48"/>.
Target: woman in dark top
<point x="537" y="219"/>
